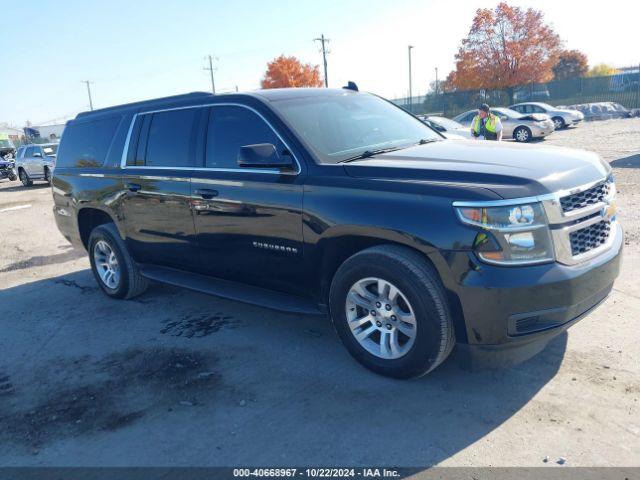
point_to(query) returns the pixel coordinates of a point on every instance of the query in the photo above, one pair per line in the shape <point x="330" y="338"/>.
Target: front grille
<point x="580" y="200"/>
<point x="590" y="237"/>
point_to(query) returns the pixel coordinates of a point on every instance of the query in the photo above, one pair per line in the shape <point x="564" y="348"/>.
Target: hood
<point x="510" y="170"/>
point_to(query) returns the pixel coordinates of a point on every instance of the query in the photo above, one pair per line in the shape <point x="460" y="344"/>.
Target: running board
<point x="231" y="290"/>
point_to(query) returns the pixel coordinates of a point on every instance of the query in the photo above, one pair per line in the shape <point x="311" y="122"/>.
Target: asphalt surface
<point x="176" y="378"/>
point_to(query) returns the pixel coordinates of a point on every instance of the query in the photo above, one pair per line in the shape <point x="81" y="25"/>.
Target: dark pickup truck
<point x="337" y="201"/>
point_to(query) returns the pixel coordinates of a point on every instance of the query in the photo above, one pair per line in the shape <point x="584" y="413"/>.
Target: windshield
<point x="341" y="126"/>
<point x="50" y="150"/>
<point x="447" y="123"/>
<point x="507" y="112"/>
<point x="5" y="144"/>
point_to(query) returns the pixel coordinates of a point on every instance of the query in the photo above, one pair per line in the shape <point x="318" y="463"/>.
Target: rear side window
<point x="170" y="140"/>
<point x="86" y="144"/>
<point x="231" y="128"/>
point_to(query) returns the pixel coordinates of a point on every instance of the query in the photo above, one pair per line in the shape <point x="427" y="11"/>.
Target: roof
<point x="274" y="94"/>
<point x="196" y="98"/>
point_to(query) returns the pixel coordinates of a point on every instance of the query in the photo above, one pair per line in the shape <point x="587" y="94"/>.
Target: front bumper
<point x="538" y="131"/>
<point x="513" y="312"/>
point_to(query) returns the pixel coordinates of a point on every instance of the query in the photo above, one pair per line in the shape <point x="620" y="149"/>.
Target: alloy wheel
<point x="106" y="264"/>
<point x="522" y="135"/>
<point x="558" y="123"/>
<point x="380" y="318"/>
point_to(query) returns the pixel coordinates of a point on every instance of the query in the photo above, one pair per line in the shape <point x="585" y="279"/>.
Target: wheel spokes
<point x="380" y="318"/>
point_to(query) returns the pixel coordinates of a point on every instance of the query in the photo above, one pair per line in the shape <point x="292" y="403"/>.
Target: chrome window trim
<point x="271" y="171"/>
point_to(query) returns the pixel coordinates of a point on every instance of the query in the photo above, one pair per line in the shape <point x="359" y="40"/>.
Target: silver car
<point x="562" y="117"/>
<point x="522" y="128"/>
<point x="36" y="162"/>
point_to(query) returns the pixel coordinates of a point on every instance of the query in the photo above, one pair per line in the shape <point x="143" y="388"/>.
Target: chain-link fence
<point x="622" y="88"/>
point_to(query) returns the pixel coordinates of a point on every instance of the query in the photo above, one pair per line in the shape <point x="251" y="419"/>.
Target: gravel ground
<point x="179" y="378"/>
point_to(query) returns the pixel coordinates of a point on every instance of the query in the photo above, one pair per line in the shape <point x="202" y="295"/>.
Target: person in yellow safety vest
<point x="486" y="125"/>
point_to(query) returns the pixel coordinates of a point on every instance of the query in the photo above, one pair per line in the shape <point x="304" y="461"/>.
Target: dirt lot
<point x="180" y="378"/>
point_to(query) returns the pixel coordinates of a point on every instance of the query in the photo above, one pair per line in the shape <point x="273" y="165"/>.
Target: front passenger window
<point x="230" y="128"/>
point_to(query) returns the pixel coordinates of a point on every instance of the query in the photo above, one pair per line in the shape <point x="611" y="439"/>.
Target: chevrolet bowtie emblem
<point x="610" y="210"/>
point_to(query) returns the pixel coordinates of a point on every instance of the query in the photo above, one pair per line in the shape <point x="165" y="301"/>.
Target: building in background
<point x="48" y="132"/>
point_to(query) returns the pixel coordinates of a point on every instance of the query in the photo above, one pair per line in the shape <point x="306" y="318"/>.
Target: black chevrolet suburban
<point x="337" y="201"/>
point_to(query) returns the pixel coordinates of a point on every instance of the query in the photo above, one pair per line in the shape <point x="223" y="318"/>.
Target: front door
<point x="157" y="188"/>
<point x="248" y="221"/>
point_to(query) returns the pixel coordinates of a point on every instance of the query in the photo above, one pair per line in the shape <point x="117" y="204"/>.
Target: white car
<point x="522" y="128"/>
<point x="447" y="127"/>
<point x="562" y="118"/>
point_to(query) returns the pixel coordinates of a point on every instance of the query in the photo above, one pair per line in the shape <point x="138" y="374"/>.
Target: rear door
<point x="248" y="221"/>
<point x="157" y="188"/>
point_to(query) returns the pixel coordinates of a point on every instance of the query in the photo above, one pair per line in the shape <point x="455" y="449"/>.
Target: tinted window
<point x="231" y="128"/>
<point x="86" y="144"/>
<point x="171" y="139"/>
<point x="29" y="152"/>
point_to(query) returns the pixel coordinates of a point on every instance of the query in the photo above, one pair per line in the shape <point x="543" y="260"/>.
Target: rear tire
<point x="112" y="266"/>
<point x="24" y="178"/>
<point x="47" y="175"/>
<point x="411" y="312"/>
<point x="522" y="134"/>
<point x="13" y="177"/>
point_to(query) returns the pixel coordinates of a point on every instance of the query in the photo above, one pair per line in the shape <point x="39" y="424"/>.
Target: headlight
<point x="512" y="234"/>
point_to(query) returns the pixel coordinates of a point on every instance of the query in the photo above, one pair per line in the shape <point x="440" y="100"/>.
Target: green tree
<point x="602" y="70"/>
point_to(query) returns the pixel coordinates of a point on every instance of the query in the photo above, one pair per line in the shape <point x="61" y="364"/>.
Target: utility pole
<point x="211" y="70"/>
<point x="436" y="81"/>
<point x="410" y="89"/>
<point x="325" y="50"/>
<point x="89" y="92"/>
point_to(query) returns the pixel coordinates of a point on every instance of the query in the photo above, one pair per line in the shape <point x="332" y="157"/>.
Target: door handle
<point x="206" y="193"/>
<point x="133" y="187"/>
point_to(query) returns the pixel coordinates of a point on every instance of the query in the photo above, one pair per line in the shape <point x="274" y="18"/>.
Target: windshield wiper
<point x="424" y="141"/>
<point x="370" y="153"/>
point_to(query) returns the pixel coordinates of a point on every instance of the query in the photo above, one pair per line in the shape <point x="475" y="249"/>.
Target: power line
<point x="211" y="70"/>
<point x="324" y="41"/>
<point x="88" y="82"/>
<point x="410" y="92"/>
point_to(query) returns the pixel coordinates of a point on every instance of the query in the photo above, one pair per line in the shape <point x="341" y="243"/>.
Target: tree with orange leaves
<point x="290" y="72"/>
<point x="506" y="47"/>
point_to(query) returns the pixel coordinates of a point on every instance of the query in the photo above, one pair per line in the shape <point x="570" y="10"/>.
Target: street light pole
<point x="410" y="89"/>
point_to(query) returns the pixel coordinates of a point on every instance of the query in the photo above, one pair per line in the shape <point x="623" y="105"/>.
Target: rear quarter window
<point x="86" y="144"/>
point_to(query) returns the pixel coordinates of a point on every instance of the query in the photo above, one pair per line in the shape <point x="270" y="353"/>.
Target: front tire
<point x="522" y="135"/>
<point x="558" y="123"/>
<point x="112" y="266"/>
<point x="48" y="175"/>
<point x="389" y="308"/>
<point x="24" y="178"/>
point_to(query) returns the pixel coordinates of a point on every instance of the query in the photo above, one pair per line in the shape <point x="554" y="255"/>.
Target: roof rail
<point x="185" y="96"/>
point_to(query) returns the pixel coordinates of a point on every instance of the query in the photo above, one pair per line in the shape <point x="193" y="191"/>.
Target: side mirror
<point x="263" y="155"/>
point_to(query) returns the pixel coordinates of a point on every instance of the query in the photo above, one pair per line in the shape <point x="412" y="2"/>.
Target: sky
<point x="136" y="50"/>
